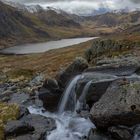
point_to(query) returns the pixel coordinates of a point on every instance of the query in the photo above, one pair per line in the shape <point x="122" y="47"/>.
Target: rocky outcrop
<point x="77" y="67"/>
<point x="120" y="105"/>
<point x="115" y="70"/>
<point x="32" y="127"/>
<point x="50" y="94"/>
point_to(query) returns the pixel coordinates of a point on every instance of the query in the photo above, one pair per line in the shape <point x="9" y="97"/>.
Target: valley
<point x="71" y="76"/>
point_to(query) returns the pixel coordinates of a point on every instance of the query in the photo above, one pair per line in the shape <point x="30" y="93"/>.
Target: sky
<point x="84" y="6"/>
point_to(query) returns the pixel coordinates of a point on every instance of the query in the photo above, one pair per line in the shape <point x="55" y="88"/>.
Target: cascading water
<point x="70" y="126"/>
<point x="81" y="103"/>
<point x="69" y="95"/>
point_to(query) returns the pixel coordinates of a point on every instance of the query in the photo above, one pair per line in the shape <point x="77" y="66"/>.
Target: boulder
<point x="120" y="105"/>
<point x="16" y="128"/>
<point x="120" y="133"/>
<point x="32" y="127"/>
<point x="77" y="67"/>
<point x="50" y="94"/>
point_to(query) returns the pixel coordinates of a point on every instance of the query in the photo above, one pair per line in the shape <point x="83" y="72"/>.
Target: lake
<point x="43" y="47"/>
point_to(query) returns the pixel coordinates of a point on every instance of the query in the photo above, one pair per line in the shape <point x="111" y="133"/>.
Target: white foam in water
<point x="69" y="126"/>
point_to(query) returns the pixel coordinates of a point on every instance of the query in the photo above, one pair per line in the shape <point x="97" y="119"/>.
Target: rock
<point x="120" y="133"/>
<point x="40" y="123"/>
<point x="122" y="60"/>
<point x="77" y="67"/>
<point x="5" y="95"/>
<point x="51" y="84"/>
<point x="93" y="135"/>
<point x="98" y="83"/>
<point x="16" y="128"/>
<point x="50" y="94"/>
<point x="20" y="99"/>
<point x="25" y="137"/>
<point x="116" y="70"/>
<point x="23" y="112"/>
<point x="120" y="105"/>
<point x="32" y="127"/>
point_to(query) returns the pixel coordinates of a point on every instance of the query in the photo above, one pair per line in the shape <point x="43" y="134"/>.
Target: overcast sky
<point x="84" y="6"/>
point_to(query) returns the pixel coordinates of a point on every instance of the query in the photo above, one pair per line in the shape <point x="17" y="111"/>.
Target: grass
<point x="48" y="63"/>
<point x="7" y="112"/>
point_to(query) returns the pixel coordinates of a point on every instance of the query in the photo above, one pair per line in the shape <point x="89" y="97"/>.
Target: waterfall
<point x="69" y="96"/>
<point x="70" y="125"/>
<point x="81" y="103"/>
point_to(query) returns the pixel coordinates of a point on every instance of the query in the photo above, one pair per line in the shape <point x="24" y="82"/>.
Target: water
<point x="69" y="95"/>
<point x="69" y="125"/>
<point x="136" y="137"/>
<point x="81" y="103"/>
<point x="43" y="47"/>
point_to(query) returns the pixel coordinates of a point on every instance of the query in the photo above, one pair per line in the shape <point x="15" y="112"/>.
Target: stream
<point x="71" y="125"/>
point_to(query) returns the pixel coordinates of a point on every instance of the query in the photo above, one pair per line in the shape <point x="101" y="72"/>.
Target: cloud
<point x="84" y="6"/>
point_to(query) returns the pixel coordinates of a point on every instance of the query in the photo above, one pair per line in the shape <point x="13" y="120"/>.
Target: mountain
<point x="14" y="25"/>
<point x="115" y="19"/>
<point x="133" y="29"/>
<point x="50" y="15"/>
<point x="53" y="17"/>
<point x="20" y="26"/>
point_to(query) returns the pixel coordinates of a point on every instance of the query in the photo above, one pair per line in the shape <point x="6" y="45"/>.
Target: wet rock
<point x="116" y="70"/>
<point x="32" y="127"/>
<point x="23" y="112"/>
<point x="120" y="105"/>
<point x="93" y="135"/>
<point x="121" y="133"/>
<point x="50" y="94"/>
<point x="16" y="128"/>
<point x="98" y="85"/>
<point x="77" y="67"/>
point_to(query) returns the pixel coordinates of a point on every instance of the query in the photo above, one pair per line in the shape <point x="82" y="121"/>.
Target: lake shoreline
<point x="37" y="48"/>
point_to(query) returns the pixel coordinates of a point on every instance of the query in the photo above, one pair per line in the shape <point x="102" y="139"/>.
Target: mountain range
<point x="24" y="24"/>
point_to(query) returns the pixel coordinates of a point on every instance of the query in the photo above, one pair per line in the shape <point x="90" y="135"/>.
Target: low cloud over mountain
<point x="85" y="6"/>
